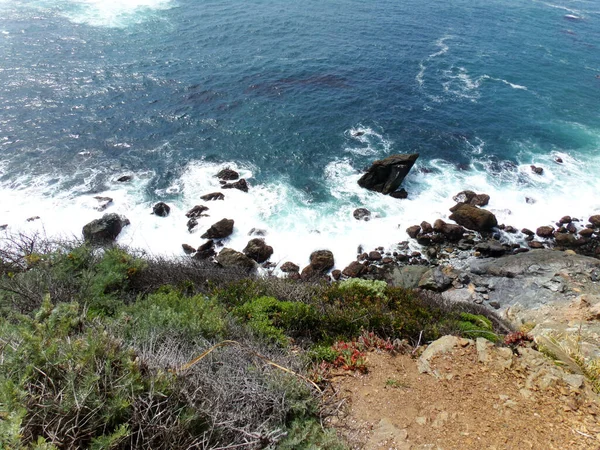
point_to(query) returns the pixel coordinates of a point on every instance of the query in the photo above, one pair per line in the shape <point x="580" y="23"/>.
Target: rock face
<point x="230" y="258"/>
<point x="387" y="174"/>
<point x="161" y="209"/>
<point x="258" y="250"/>
<point x="219" y="230"/>
<point x="242" y="185"/>
<point x="228" y="174"/>
<point x="105" y="229"/>
<point x="473" y="218"/>
<point x="321" y="262"/>
<point x="362" y="214"/>
<point x="472" y="198"/>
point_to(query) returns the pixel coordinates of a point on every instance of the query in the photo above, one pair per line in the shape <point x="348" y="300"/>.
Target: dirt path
<point x="473" y="397"/>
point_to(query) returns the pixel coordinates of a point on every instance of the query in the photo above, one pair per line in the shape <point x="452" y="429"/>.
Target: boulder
<point x="321" y="261"/>
<point x="436" y="280"/>
<point x="537" y="170"/>
<point x="426" y="227"/>
<point x="545" y="232"/>
<point x="375" y="256"/>
<point x="206" y="250"/>
<point x="161" y="209"/>
<point x="453" y="233"/>
<point x="472" y="198"/>
<point x="527" y="232"/>
<point x="289" y="267"/>
<point x="535" y="244"/>
<point x="241" y="185"/>
<point x="595" y="220"/>
<point x="258" y="250"/>
<point x="191" y="224"/>
<point x="105" y="229"/>
<point x="213" y="196"/>
<point x="401" y="194"/>
<point x="565" y="220"/>
<point x="491" y="248"/>
<point x="473" y="218"/>
<point x="219" y="230"/>
<point x="196" y="211"/>
<point x="231" y="258"/>
<point x="568" y="240"/>
<point x="387" y="174"/>
<point x="188" y="249"/>
<point x="354" y="270"/>
<point x="413" y="231"/>
<point x="228" y="174"/>
<point x="336" y="274"/>
<point x="362" y="214"/>
<point x="586" y="232"/>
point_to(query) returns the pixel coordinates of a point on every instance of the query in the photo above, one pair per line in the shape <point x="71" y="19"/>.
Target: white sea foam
<point x="296" y="225"/>
<point x="443" y="49"/>
<point x="372" y="142"/>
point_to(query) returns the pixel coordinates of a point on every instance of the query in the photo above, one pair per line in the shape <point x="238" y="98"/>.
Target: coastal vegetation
<point x="113" y="348"/>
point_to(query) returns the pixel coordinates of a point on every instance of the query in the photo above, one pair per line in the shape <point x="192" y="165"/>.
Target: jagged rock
<point x="436" y="280"/>
<point x="401" y="194"/>
<point x="188" y="249"/>
<point x="354" y="270"/>
<point x="230" y="258"/>
<point x="321" y="261"/>
<point x="241" y="185"/>
<point x="219" y="230"/>
<point x="472" y="198"/>
<point x="530" y="201"/>
<point x="104" y="202"/>
<point x="545" y="232"/>
<point x="228" y="174"/>
<point x="105" y="229"/>
<point x="473" y="218"/>
<point x="191" y="224"/>
<point x="206" y="250"/>
<point x="289" y="267"/>
<point x="213" y="196"/>
<point x="537" y="170"/>
<point x="125" y="178"/>
<point x="258" y="250"/>
<point x="161" y="209"/>
<point x="362" y="214"/>
<point x="413" y="231"/>
<point x="386" y="175"/>
<point x="453" y="233"/>
<point x="196" y="211"/>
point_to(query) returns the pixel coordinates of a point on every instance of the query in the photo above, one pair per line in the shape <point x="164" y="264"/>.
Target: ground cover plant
<point x="111" y="348"/>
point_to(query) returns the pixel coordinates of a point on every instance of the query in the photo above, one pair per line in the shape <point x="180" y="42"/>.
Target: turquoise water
<point x="172" y="90"/>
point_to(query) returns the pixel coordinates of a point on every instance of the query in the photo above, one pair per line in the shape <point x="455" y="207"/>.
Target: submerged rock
<point x="362" y="214"/>
<point x="387" y="174"/>
<point x="161" y="209"/>
<point x="104" y="230"/>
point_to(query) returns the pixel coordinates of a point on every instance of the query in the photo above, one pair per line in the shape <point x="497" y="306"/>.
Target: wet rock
<point x="413" y="231"/>
<point x="545" y="232"/>
<point x="491" y="248"/>
<point x="206" y="250"/>
<point x="595" y="220"/>
<point x="528" y="232"/>
<point x="473" y="218"/>
<point x="104" y="202"/>
<point x="219" y="230"/>
<point x="571" y="228"/>
<point x="105" y="229"/>
<point x="510" y="229"/>
<point x="213" y="196"/>
<point x="472" y="198"/>
<point x="362" y="214"/>
<point x="565" y="220"/>
<point x="386" y="175"/>
<point x="125" y="178"/>
<point x="258" y="250"/>
<point x="321" y="261"/>
<point x="354" y="270"/>
<point x="375" y="256"/>
<point x="289" y="267"/>
<point x="191" y="224"/>
<point x="537" y="170"/>
<point x="31" y="219"/>
<point x="558" y="160"/>
<point x="426" y="227"/>
<point x="188" y="249"/>
<point x="401" y="194"/>
<point x="228" y="257"/>
<point x="196" y="211"/>
<point x="241" y="185"/>
<point x="228" y="174"/>
<point x="161" y="209"/>
<point x="257" y="232"/>
<point x="586" y="232"/>
<point x="336" y="274"/>
<point x="535" y="244"/>
<point x="529" y="200"/>
<point x="568" y="240"/>
<point x="453" y="233"/>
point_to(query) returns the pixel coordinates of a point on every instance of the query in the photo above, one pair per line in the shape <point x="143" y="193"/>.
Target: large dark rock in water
<point x="219" y="230"/>
<point x="196" y="211"/>
<point x="231" y="258"/>
<point x="472" y="198"/>
<point x="228" y="174"/>
<point x="473" y="218"/>
<point x="362" y="214"/>
<point x="321" y="262"/>
<point x="105" y="229"/>
<point x="213" y="196"/>
<point x="241" y="184"/>
<point x="206" y="250"/>
<point x="161" y="209"/>
<point x="258" y="250"/>
<point x="387" y="174"/>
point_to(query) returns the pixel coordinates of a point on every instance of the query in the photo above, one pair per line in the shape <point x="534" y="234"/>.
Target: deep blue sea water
<point x="173" y="90"/>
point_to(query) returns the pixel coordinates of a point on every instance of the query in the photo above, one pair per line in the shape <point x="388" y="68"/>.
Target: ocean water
<point x="171" y="91"/>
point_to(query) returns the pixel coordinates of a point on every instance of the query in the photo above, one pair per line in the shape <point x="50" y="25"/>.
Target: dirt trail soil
<point x="473" y="396"/>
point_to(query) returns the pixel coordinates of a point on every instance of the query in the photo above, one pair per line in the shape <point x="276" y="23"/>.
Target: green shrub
<point x="169" y="313"/>
<point x="272" y="319"/>
<point x="476" y="325"/>
<point x="308" y="434"/>
<point x="376" y="288"/>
